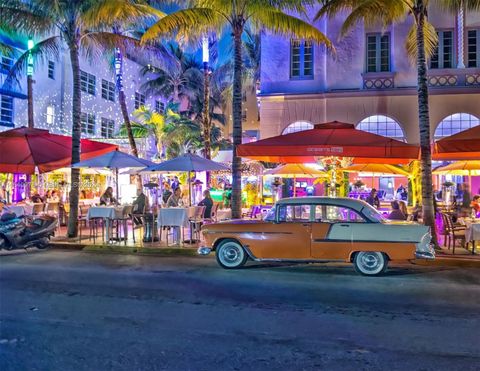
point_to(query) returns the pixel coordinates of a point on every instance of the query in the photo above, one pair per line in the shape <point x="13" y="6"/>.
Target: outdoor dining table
<point x="107" y="213"/>
<point x="472" y="232"/>
<point x="176" y="217"/>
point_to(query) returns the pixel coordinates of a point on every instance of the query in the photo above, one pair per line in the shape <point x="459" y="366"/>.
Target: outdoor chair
<point x="196" y="221"/>
<point x="120" y="223"/>
<point x="81" y="219"/>
<point x="454" y="233"/>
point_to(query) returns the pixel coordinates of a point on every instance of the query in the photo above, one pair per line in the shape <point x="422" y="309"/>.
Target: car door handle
<point x="344" y="225"/>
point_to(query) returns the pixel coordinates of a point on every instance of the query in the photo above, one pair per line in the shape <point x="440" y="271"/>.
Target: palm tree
<point x="150" y="123"/>
<point x="420" y="45"/>
<point x="179" y="78"/>
<point x="75" y="23"/>
<point x="216" y="15"/>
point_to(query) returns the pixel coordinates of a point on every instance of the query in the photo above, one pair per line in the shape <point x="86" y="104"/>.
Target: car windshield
<point x="371" y="213"/>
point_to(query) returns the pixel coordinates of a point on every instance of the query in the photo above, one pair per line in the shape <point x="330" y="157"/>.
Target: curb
<point x="449" y="262"/>
<point x="111" y="249"/>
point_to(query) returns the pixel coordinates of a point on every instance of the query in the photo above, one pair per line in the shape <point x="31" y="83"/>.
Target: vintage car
<point x="311" y="229"/>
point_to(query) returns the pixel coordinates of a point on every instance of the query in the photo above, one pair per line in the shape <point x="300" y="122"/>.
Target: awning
<point x="464" y="145"/>
<point x="330" y="139"/>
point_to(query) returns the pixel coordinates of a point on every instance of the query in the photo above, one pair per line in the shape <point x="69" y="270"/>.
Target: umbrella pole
<point x="116" y="182"/>
<point x="294" y="186"/>
<point x="189" y="189"/>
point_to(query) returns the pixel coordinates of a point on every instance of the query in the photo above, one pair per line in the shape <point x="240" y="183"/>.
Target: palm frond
<point x="187" y="23"/>
<point x="430" y="41"/>
<point x="25" y="17"/>
<point x="42" y="52"/>
<point x="112" y="12"/>
<point x="288" y="25"/>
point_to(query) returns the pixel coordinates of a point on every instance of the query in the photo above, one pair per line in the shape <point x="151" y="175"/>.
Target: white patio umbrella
<point x="186" y="163"/>
<point x="114" y="160"/>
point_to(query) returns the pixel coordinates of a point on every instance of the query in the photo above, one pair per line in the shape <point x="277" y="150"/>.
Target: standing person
<point x="373" y="199"/>
<point x="208" y="203"/>
<point x="175" y="199"/>
<point x="467" y="199"/>
<point x="107" y="197"/>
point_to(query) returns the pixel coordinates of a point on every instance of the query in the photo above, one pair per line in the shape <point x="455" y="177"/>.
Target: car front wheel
<point x="370" y="263"/>
<point x="230" y="254"/>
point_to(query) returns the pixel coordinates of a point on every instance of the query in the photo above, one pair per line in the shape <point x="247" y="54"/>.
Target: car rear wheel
<point x="230" y="254"/>
<point x="370" y="263"/>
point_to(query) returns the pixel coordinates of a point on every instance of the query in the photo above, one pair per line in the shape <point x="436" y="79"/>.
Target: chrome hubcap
<point x="370" y="262"/>
<point x="231" y="254"/>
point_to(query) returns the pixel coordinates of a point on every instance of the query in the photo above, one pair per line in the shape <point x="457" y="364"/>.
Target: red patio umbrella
<point x="464" y="145"/>
<point x="23" y="149"/>
<point x="330" y="139"/>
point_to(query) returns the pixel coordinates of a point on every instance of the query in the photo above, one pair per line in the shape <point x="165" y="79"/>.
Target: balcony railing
<point x="454" y="77"/>
<point x="378" y="80"/>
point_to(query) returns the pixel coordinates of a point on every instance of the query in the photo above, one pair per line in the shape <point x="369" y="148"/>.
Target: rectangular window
<point x="443" y="55"/>
<point x="301" y="59"/>
<point x="50" y="115"/>
<point x="473" y="48"/>
<point x="159" y="106"/>
<point x="330" y="213"/>
<point x="378" y="53"/>
<point x="51" y="70"/>
<point x="88" y="123"/>
<point x="139" y="100"/>
<point x="6" y="110"/>
<point x="108" y="90"/>
<point x="5" y="63"/>
<point x="107" y="128"/>
<point x="87" y="82"/>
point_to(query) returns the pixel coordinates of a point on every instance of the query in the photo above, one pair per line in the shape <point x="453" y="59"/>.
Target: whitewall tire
<point x="370" y="263"/>
<point x="230" y="254"/>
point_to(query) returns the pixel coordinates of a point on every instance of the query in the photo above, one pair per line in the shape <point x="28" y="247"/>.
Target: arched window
<point x="382" y="125"/>
<point x="297" y="126"/>
<point x="455" y="123"/>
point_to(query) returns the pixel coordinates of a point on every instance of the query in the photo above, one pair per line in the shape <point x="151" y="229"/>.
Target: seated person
<point x="475" y="204"/>
<point x="396" y="213"/>
<point x="166" y="192"/>
<point x="208" y="203"/>
<point x="175" y="200"/>
<point x="54" y="196"/>
<point x="139" y="206"/>
<point x="403" y="208"/>
<point x="107" y="197"/>
<point x="36" y="199"/>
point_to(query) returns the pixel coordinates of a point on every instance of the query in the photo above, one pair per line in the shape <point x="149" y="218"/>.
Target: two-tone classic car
<point x="310" y="229"/>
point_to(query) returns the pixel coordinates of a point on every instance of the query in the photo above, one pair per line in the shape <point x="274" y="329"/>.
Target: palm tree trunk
<point x="76" y="136"/>
<point x="31" y="124"/>
<point x="424" y="122"/>
<point x="122" y="102"/>
<point x="237" y="124"/>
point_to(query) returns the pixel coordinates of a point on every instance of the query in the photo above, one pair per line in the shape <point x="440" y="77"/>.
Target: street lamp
<point x="206" y="100"/>
<point x="30" y="46"/>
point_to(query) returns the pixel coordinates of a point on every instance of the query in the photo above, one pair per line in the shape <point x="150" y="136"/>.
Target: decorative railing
<point x="454" y="77"/>
<point x="378" y="80"/>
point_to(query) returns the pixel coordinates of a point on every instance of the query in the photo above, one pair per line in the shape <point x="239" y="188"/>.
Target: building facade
<point x="369" y="81"/>
<point x="52" y="97"/>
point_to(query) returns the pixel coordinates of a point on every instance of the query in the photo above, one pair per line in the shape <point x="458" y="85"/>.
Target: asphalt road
<point x="63" y="310"/>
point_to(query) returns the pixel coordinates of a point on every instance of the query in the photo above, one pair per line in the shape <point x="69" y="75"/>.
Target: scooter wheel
<point x="42" y="246"/>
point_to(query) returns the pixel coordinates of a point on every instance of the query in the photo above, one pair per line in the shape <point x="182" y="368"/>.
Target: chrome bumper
<point x="202" y="250"/>
<point x="424" y="255"/>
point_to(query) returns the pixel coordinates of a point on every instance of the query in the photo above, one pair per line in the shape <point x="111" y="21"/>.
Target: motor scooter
<point x="21" y="232"/>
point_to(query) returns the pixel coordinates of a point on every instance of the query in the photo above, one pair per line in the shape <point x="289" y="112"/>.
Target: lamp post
<point x="206" y="101"/>
<point x="30" y="46"/>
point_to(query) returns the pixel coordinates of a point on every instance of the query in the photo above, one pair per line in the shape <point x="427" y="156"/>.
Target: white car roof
<point x="340" y="201"/>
